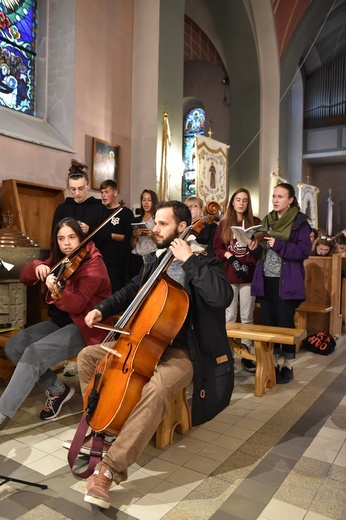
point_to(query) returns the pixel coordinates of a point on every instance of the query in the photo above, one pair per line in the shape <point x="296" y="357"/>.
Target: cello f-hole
<point x="124" y="369"/>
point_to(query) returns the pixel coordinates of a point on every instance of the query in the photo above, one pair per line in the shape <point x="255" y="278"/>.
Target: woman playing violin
<point x="200" y="350"/>
<point x="35" y="349"/>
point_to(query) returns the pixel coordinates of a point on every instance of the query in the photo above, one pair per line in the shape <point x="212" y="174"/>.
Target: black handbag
<point x="320" y="343"/>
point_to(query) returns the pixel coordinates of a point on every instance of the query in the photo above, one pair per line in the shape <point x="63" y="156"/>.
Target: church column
<point x="269" y="72"/>
<point x="158" y="66"/>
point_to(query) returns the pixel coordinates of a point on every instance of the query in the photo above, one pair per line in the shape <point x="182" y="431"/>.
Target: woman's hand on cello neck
<point x="93" y="316"/>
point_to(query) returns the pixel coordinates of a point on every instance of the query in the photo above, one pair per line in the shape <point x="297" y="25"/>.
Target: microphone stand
<point x="10" y="479"/>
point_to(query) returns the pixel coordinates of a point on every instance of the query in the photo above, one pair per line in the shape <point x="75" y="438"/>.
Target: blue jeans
<point x="34" y="350"/>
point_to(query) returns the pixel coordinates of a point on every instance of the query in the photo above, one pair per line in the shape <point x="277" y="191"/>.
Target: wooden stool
<point x="177" y="417"/>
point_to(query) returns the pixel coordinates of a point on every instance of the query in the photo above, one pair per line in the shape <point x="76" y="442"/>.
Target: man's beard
<point x="167" y="241"/>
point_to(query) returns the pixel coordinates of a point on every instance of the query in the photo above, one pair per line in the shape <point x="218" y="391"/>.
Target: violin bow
<point x="84" y="241"/>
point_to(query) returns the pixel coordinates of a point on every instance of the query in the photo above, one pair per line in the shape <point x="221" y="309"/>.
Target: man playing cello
<point x="199" y="352"/>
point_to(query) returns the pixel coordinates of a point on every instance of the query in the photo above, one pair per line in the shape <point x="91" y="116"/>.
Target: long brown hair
<point x="73" y="224"/>
<point x="230" y="217"/>
<point x="153" y="202"/>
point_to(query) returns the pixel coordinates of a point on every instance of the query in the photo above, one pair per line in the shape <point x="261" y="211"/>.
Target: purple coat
<point x="293" y="253"/>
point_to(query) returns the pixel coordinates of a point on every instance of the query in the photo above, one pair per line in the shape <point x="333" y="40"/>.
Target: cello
<point x="136" y="343"/>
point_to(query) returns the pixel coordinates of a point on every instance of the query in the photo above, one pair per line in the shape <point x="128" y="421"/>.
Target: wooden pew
<point x="264" y="338"/>
<point x="343" y="304"/>
<point x="6" y="366"/>
<point x="322" y="307"/>
<point x="343" y="295"/>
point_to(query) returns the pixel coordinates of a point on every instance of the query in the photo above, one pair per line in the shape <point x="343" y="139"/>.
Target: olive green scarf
<point x="280" y="227"/>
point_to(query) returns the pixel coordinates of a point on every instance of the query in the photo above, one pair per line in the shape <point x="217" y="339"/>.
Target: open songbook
<point x="245" y="235"/>
<point x="137" y="225"/>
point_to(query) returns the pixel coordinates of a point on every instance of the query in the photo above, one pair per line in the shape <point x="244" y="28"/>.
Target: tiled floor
<point x="281" y="456"/>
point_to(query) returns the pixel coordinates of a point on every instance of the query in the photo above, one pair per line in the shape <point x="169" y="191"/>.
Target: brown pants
<point x="173" y="373"/>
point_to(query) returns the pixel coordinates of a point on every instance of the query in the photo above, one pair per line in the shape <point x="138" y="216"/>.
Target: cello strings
<point x="111" y="336"/>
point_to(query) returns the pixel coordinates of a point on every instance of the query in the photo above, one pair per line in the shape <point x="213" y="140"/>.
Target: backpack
<point x="320" y="343"/>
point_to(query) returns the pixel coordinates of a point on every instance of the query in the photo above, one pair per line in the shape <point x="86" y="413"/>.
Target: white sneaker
<point x="71" y="369"/>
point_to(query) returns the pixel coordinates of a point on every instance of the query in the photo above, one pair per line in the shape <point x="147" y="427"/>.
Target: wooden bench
<point x="322" y="307"/>
<point x="264" y="338"/>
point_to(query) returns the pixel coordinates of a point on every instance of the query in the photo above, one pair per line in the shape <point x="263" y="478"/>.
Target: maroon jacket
<point x="87" y="286"/>
<point x="241" y="252"/>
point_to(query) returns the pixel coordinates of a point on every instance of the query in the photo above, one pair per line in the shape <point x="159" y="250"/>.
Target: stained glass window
<point x="194" y="123"/>
<point x="18" y="24"/>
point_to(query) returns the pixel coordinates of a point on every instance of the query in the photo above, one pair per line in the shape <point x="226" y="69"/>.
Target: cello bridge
<point x="111" y="350"/>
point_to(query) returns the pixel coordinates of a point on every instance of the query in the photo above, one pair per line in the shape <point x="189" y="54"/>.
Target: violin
<point x="67" y="268"/>
<point x="75" y="251"/>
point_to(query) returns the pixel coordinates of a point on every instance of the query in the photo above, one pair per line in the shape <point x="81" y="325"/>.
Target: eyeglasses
<point x="80" y="189"/>
<point x="324" y="237"/>
<point x="190" y="206"/>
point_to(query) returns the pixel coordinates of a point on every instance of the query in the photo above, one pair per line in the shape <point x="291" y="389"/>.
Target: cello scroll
<point x="213" y="209"/>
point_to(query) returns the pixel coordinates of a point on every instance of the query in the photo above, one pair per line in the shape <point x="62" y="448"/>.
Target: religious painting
<point x="212" y="177"/>
<point x="307" y="199"/>
<point x="105" y="162"/>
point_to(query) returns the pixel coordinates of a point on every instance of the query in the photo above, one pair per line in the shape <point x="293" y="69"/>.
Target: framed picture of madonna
<point x="307" y="198"/>
<point x="105" y="162"/>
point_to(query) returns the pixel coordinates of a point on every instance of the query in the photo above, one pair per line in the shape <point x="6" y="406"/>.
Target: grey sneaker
<point x="54" y="403"/>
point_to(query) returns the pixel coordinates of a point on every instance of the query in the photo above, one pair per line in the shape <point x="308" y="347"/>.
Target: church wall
<point x="103" y="81"/>
<point x="203" y="81"/>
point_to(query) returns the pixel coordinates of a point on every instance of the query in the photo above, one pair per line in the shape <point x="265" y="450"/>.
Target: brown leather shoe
<point x="98" y="486"/>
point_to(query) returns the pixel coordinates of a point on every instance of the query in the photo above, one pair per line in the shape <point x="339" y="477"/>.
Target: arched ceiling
<point x="328" y="42"/>
<point x="331" y="42"/>
<point x="288" y="14"/>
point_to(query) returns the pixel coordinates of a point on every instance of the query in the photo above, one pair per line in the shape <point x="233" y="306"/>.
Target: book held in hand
<point x="244" y="236"/>
<point x="137" y="225"/>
